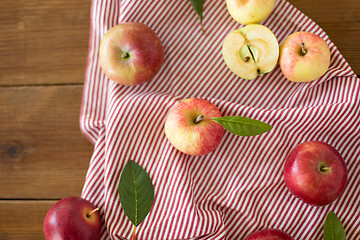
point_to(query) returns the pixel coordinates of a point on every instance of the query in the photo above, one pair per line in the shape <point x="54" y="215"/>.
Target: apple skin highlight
<point x="315" y="172"/>
<point x="189" y="137"/>
<point x="143" y="53"/>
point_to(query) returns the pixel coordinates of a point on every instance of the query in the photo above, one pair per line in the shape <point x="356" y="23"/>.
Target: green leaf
<point x="198" y="7"/>
<point x="136" y="192"/>
<point x="243" y="126"/>
<point x="333" y="229"/>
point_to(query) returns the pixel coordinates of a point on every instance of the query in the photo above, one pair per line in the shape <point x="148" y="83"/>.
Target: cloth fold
<point x="238" y="188"/>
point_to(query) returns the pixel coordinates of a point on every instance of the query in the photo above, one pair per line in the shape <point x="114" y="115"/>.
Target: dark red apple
<point x="269" y="234"/>
<point x="72" y="218"/>
<point x="315" y="172"/>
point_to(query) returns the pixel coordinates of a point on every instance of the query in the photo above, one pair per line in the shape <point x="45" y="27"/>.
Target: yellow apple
<point x="251" y="51"/>
<point x="250" y="11"/>
<point x="304" y="57"/>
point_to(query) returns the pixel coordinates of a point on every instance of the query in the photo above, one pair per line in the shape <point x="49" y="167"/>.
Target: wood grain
<point x="43" y="42"/>
<point x="43" y="154"/>
<point x="23" y="219"/>
<point x="341" y="21"/>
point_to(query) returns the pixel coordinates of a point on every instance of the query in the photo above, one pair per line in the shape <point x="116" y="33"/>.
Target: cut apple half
<point x="251" y="51"/>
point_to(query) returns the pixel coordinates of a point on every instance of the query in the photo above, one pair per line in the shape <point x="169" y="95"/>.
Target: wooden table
<point x="43" y="53"/>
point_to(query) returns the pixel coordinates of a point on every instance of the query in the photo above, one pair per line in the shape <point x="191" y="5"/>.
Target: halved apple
<point x="251" y="51"/>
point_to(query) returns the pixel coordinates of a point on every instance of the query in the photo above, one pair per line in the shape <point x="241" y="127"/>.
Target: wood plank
<point x="43" y="42"/>
<point x="43" y="154"/>
<point x="23" y="219"/>
<point x="341" y="21"/>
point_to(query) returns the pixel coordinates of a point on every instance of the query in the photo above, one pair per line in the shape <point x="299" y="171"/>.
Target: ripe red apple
<point x="190" y="129"/>
<point x="72" y="218"/>
<point x="269" y="234"/>
<point x="131" y="53"/>
<point x="304" y="57"/>
<point x="315" y="172"/>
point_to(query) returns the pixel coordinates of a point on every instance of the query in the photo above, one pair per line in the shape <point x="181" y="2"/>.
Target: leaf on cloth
<point x="136" y="192"/>
<point x="198" y="7"/>
<point x="243" y="126"/>
<point x="333" y="229"/>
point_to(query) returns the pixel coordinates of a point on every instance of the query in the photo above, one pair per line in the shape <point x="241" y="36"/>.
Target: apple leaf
<point x="243" y="126"/>
<point x="333" y="229"/>
<point x="198" y="7"/>
<point x="136" y="192"/>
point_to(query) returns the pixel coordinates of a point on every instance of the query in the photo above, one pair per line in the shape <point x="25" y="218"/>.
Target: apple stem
<point x="246" y="59"/>
<point x="134" y="233"/>
<point x="95" y="210"/>
<point x="303" y="49"/>
<point x="125" y="55"/>
<point x="202" y="28"/>
<point x="198" y="119"/>
<point x="324" y="169"/>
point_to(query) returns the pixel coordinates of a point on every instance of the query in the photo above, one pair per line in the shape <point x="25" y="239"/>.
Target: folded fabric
<point x="238" y="188"/>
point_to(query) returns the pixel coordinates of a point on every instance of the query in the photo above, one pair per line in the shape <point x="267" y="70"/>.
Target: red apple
<point x="72" y="218"/>
<point x="190" y="129"/>
<point x="315" y="172"/>
<point x="304" y="57"/>
<point x="269" y="234"/>
<point x="131" y="53"/>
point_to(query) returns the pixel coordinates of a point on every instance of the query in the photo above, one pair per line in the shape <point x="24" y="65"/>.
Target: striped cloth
<point x="238" y="188"/>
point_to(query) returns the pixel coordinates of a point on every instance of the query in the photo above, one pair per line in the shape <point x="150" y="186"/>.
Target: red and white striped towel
<point x="238" y="188"/>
